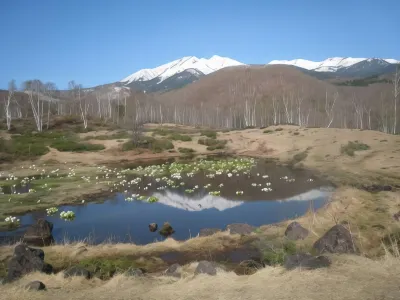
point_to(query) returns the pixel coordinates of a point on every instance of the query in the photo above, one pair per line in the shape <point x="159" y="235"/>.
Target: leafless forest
<point x="230" y="98"/>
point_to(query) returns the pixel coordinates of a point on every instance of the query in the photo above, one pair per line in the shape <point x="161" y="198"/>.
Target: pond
<point x="206" y="195"/>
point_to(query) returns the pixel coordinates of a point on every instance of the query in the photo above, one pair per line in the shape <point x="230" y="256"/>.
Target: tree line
<point x="246" y="107"/>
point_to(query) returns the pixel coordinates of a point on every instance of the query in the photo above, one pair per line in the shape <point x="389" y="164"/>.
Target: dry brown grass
<point x="349" y="278"/>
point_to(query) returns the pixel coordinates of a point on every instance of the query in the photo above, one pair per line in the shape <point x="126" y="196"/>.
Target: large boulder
<point x="77" y="271"/>
<point x="208" y="231"/>
<point x="39" y="234"/>
<point x="206" y="267"/>
<point x="26" y="260"/>
<point x="337" y="240"/>
<point x="173" y="270"/>
<point x="306" y="261"/>
<point x="35" y="286"/>
<point x="239" y="228"/>
<point x="296" y="232"/>
<point x="166" y="230"/>
<point x="135" y="272"/>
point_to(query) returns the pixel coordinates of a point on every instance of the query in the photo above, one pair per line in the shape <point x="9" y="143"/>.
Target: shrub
<point x="213" y="144"/>
<point x="296" y="133"/>
<point x="209" y="133"/>
<point x="279" y="129"/>
<point x="351" y="147"/>
<point x="268" y="131"/>
<point x="276" y="256"/>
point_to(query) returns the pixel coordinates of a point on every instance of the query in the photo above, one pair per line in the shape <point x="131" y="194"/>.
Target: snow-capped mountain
<point x="331" y="64"/>
<point x="192" y="67"/>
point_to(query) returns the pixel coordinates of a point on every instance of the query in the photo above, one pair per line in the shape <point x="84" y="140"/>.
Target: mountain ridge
<point x="332" y="64"/>
<point x="163" y="72"/>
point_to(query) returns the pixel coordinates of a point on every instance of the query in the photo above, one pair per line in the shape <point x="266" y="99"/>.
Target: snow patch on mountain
<point x="192" y="63"/>
<point x="328" y="65"/>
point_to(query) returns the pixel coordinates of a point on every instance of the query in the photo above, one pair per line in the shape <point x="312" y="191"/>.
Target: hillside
<point x="237" y="84"/>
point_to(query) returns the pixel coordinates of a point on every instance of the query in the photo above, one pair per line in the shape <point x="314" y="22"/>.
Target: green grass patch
<point x="114" y="136"/>
<point x="209" y="133"/>
<point x="105" y="268"/>
<point x="279" y="129"/>
<point x="72" y="146"/>
<point x="299" y="157"/>
<point x="185" y="150"/>
<point x="268" y="131"/>
<point x="180" y="137"/>
<point x="351" y="147"/>
<point x="146" y="142"/>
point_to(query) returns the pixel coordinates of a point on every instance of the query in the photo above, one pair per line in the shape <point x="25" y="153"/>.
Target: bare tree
<point x="396" y="92"/>
<point x="329" y="106"/>
<point x="34" y="90"/>
<point x="11" y="89"/>
<point x="49" y="89"/>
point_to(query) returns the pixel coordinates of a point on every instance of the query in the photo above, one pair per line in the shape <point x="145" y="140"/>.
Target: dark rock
<point x="173" y="270"/>
<point x="208" y="231"/>
<point x="337" y="240"/>
<point x="206" y="267"/>
<point x="239" y="228"/>
<point x="153" y="227"/>
<point x="39" y="234"/>
<point x="377" y="188"/>
<point x="135" y="272"/>
<point x="77" y="271"/>
<point x="26" y="260"/>
<point x="296" y="232"/>
<point x="243" y="253"/>
<point x="396" y="216"/>
<point x="166" y="230"/>
<point x="35" y="286"/>
<point x="248" y="267"/>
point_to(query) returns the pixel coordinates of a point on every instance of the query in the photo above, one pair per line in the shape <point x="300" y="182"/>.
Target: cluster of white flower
<point x="310" y="180"/>
<point x="215" y="193"/>
<point x="266" y="189"/>
<point x="176" y="176"/>
<point x="67" y="215"/>
<point x="239" y="192"/>
<point x="12" y="220"/>
<point x="51" y="211"/>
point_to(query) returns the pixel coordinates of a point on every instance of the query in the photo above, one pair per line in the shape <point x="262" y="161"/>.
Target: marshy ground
<point x="350" y="159"/>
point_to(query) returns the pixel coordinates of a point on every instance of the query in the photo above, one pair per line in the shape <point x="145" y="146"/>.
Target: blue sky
<point x="96" y="42"/>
